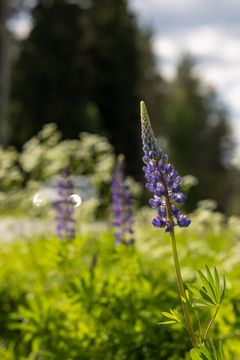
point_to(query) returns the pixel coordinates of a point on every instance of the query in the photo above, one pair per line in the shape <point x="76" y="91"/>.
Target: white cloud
<point x="233" y="96"/>
<point x="167" y="15"/>
<point x="172" y="5"/>
<point x="165" y="6"/>
<point x="236" y="132"/>
<point x="209" y="30"/>
<point x="205" y="42"/>
<point x="218" y="55"/>
<point x="165" y="47"/>
<point x="223" y="75"/>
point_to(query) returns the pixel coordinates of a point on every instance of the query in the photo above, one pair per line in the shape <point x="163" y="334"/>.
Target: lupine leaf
<point x="206" y="297"/>
<point x="195" y="354"/>
<point x="202" y="302"/>
<point x="217" y="282"/>
<point x="168" y="322"/>
<point x="168" y="315"/>
<point x="212" y="289"/>
<point x="223" y="289"/>
<point x="212" y="284"/>
<point x="207" y="285"/>
<point x="201" y="297"/>
<point x="220" y="351"/>
<point x="173" y="315"/>
<point x="193" y="288"/>
<point x="213" y="348"/>
<point x="200" y="354"/>
<point x="208" y="352"/>
<point x="216" y="353"/>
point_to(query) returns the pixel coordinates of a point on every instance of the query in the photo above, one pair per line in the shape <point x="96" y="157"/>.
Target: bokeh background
<point x="84" y="65"/>
<point x="72" y="74"/>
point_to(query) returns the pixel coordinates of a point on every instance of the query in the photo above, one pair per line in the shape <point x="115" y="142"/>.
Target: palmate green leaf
<point x="221" y="352"/>
<point x="168" y="322"/>
<point x="208" y="352"/>
<point x="207" y="287"/>
<point x="207" y="299"/>
<point x="211" y="291"/>
<point x="173" y="316"/>
<point x="217" y="282"/>
<point x="200" y="354"/>
<point x="199" y="297"/>
<point x="223" y="289"/>
<point x="217" y="353"/>
<point x="193" y="289"/>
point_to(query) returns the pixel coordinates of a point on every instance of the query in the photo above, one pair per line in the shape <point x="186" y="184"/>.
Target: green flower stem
<point x="181" y="290"/>
<point x="199" y="326"/>
<point x="210" y="323"/>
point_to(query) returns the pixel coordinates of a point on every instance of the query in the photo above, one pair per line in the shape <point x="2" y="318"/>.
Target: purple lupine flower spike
<point x="122" y="205"/>
<point x="162" y="180"/>
<point x="64" y="206"/>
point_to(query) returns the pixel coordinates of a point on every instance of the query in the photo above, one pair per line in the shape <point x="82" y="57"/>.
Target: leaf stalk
<point x="210" y="323"/>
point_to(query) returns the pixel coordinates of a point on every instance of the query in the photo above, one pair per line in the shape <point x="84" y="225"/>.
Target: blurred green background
<point x="69" y="94"/>
<point x="85" y="65"/>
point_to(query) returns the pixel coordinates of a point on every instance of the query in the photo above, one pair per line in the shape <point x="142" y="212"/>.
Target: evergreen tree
<point x="114" y="56"/>
<point x="5" y="41"/>
<point x="83" y="67"/>
<point x="49" y="77"/>
<point x="198" y="134"/>
<point x="152" y="86"/>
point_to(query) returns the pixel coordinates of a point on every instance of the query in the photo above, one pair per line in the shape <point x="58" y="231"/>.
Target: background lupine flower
<point x="162" y="180"/>
<point x="65" y="207"/>
<point x="122" y="205"/>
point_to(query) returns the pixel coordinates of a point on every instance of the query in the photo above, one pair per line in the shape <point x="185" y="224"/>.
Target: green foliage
<point x="173" y="316"/>
<point x="88" y="299"/>
<point x="208" y="352"/>
<point x="211" y="290"/>
<point x="99" y="306"/>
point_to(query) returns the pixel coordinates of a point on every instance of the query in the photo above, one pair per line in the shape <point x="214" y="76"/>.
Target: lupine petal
<point x="162" y="179"/>
<point x="122" y="203"/>
<point x="64" y="207"/>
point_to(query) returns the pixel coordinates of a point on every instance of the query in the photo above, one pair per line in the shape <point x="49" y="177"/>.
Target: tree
<point x="83" y="67"/>
<point x="112" y="47"/>
<point x="199" y="136"/>
<point x="4" y="72"/>
<point x="9" y="9"/>
<point x="49" y="77"/>
<point x="152" y="86"/>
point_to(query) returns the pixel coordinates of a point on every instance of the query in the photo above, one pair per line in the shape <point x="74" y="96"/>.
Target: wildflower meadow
<point x="94" y="272"/>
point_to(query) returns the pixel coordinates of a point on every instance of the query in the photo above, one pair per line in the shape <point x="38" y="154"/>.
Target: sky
<point x="207" y="29"/>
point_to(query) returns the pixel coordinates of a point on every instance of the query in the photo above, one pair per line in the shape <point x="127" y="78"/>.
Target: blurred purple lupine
<point x="64" y="206"/>
<point x="162" y="180"/>
<point x="122" y="205"/>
